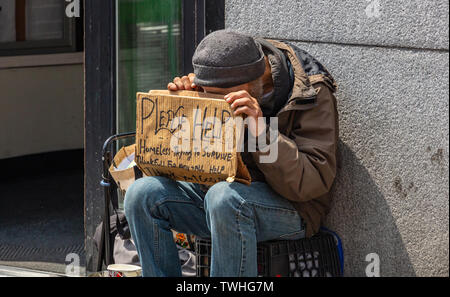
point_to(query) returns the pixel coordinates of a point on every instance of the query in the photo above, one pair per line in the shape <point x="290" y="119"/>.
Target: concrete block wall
<point x="391" y="61"/>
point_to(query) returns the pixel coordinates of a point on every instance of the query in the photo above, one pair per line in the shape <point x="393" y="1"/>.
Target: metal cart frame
<point x="108" y="187"/>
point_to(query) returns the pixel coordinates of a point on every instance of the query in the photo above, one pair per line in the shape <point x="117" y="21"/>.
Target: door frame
<point x="99" y="110"/>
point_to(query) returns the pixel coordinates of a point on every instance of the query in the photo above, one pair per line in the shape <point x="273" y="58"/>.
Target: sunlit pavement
<point x="8" y="271"/>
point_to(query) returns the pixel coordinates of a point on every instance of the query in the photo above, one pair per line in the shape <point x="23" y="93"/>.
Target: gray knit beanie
<point x="224" y="59"/>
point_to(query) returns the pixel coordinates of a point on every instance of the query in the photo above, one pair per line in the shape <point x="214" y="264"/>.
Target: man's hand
<point x="184" y="83"/>
<point x="243" y="103"/>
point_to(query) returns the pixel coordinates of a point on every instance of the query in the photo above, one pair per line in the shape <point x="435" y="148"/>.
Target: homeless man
<point x="287" y="198"/>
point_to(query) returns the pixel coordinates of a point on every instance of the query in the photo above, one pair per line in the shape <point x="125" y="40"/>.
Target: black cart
<point x="109" y="190"/>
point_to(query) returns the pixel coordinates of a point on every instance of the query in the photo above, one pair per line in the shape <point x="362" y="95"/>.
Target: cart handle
<point x="105" y="147"/>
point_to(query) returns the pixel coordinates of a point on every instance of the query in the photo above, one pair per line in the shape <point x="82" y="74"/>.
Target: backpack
<point x="122" y="248"/>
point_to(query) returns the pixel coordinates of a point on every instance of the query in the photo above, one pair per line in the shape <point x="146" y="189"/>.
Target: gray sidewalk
<point x="8" y="271"/>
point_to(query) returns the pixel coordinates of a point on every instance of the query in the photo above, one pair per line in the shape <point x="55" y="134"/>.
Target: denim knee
<point x="143" y="193"/>
<point x="221" y="200"/>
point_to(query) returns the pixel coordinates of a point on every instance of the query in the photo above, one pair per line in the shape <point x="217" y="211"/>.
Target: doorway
<point x="41" y="135"/>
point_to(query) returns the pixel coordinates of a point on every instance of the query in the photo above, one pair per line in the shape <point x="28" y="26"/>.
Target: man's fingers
<point x="238" y="94"/>
<point x="177" y="81"/>
<point x="191" y="77"/>
<point x="235" y="95"/>
<point x="241" y="101"/>
<point x="172" y="87"/>
<point x="186" y="83"/>
<point x="245" y="110"/>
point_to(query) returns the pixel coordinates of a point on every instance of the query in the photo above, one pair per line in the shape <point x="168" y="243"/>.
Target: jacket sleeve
<point x="306" y="165"/>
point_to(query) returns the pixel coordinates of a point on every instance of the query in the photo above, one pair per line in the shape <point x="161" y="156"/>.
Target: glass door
<point x="148" y="52"/>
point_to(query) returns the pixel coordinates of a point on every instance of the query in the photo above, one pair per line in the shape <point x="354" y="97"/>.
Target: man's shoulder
<point x="314" y="69"/>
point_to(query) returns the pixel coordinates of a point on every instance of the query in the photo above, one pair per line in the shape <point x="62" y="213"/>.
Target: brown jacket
<point x="307" y="141"/>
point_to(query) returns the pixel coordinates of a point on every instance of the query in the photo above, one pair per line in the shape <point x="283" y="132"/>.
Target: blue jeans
<point x="233" y="215"/>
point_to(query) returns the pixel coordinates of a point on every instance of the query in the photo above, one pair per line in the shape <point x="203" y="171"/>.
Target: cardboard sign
<point x="189" y="136"/>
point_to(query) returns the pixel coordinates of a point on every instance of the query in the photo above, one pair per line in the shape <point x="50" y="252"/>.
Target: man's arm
<point x="306" y="163"/>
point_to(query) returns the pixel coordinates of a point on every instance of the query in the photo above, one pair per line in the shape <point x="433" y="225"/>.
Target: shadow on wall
<point x="361" y="216"/>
